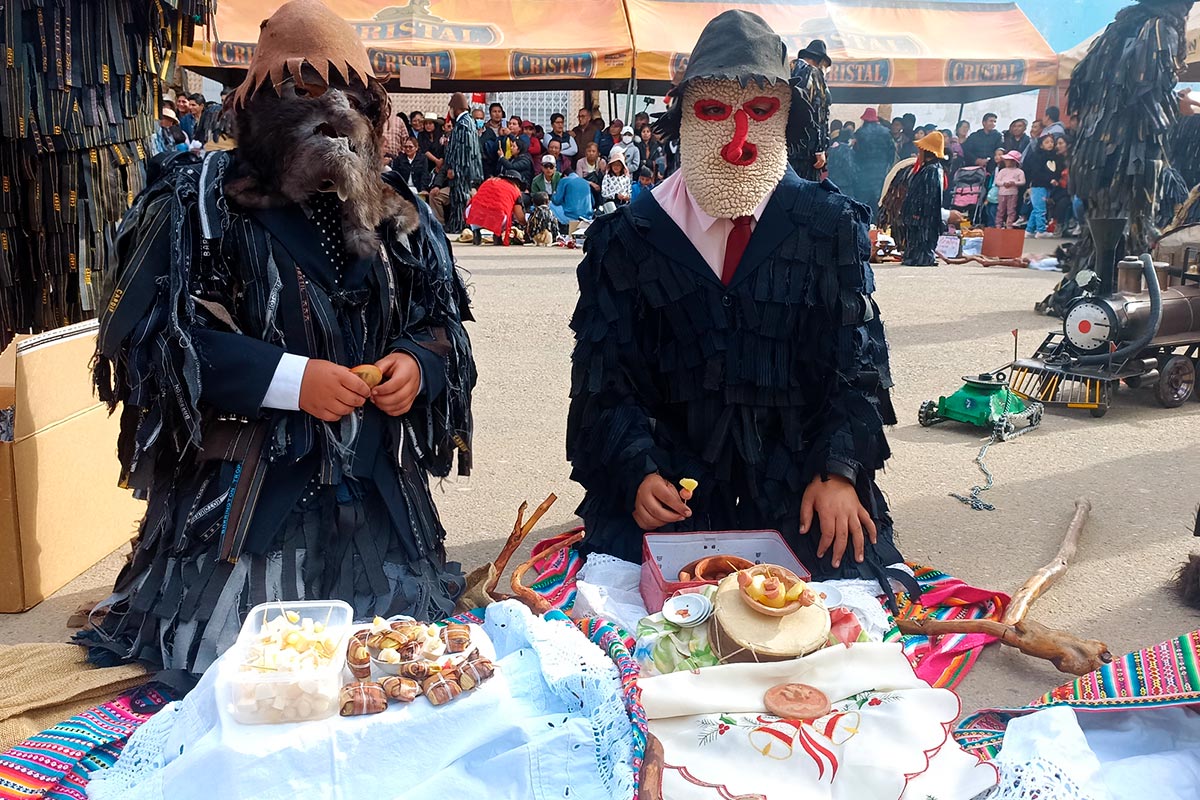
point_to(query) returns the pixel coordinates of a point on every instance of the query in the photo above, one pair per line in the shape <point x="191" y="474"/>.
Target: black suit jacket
<point x="418" y="168"/>
<point x="753" y="389"/>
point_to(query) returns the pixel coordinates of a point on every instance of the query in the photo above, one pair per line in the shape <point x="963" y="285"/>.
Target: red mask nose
<point x="739" y="152"/>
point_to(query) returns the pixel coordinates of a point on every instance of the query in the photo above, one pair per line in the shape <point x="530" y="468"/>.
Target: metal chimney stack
<point x="1107" y="233"/>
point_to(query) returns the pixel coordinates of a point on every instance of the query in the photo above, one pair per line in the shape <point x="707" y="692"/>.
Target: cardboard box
<point x="664" y="554"/>
<point x="1003" y="242"/>
<point x="61" y="509"/>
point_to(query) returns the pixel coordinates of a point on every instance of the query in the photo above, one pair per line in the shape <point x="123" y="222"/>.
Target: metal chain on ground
<point x="973" y="499"/>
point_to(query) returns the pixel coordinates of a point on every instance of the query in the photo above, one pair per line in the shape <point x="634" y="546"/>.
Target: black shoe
<point x="477" y="238"/>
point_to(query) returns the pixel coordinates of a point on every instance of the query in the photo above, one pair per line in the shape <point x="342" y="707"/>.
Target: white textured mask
<point x="733" y="143"/>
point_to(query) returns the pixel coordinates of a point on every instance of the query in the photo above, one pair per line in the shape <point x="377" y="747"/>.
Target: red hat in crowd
<point x="870" y="115"/>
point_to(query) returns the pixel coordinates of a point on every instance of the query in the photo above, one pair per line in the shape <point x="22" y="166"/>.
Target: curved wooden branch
<point x="481" y="583"/>
<point x="1068" y="653"/>
<point x="1065" y="651"/>
<point x="1048" y="575"/>
<point x="537" y="604"/>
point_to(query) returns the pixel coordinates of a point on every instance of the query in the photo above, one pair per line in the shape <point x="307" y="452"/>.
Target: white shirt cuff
<point x="946" y="215"/>
<point x="284" y="391"/>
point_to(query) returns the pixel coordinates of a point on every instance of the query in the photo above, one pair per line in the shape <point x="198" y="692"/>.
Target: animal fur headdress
<point x="307" y="33"/>
<point x="309" y="118"/>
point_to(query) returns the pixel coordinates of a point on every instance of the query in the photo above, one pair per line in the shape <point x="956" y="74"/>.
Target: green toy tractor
<point x="985" y="401"/>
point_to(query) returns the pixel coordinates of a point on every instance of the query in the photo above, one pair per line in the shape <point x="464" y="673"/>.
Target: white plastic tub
<point x="260" y="695"/>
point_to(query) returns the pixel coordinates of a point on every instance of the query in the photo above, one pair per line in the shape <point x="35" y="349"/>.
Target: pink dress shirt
<point x="706" y="233"/>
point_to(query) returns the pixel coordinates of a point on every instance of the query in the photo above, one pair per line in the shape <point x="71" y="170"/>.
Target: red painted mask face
<point x="738" y="151"/>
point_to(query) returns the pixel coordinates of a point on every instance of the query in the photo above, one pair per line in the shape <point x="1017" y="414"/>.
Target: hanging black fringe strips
<point x="1124" y="93"/>
<point x="80" y="82"/>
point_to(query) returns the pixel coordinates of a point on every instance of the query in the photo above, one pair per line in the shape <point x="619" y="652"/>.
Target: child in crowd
<point x="645" y="182"/>
<point x="1009" y="179"/>
<point x="992" y="200"/>
<point x="541" y="225"/>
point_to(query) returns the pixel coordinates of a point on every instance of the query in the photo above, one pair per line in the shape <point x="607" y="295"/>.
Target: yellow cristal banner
<point x="465" y="40"/>
<point x="882" y="44"/>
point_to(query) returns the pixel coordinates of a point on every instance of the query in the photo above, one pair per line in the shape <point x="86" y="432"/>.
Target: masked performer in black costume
<point x="1124" y="93"/>
<point x="921" y="215"/>
<point x="726" y="332"/>
<point x="247" y="285"/>
<point x="807" y="154"/>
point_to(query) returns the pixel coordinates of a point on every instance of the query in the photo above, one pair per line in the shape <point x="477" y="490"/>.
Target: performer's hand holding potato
<point x="330" y="391"/>
<point x="658" y="503"/>
<point x="401" y="383"/>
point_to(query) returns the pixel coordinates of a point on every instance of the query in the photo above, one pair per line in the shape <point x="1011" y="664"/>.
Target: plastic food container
<point x="261" y="696"/>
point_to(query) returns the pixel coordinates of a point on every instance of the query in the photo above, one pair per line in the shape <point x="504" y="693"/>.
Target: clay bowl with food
<point x="773" y="590"/>
<point x="713" y="568"/>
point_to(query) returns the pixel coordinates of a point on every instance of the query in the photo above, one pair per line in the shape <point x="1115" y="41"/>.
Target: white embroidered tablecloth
<point x="887" y="736"/>
<point x="550" y="724"/>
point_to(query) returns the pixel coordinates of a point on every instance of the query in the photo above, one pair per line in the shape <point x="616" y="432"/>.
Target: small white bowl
<point x="687" y="610"/>
<point x="829" y="596"/>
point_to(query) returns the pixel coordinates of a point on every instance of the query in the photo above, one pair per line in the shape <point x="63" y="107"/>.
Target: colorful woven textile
<point x="1166" y="674"/>
<point x="57" y="763"/>
<point x="611" y="639"/>
<point x="556" y="573"/>
<point x="943" y="662"/>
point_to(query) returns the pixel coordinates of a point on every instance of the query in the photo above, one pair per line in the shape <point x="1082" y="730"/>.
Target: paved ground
<point x="1138" y="465"/>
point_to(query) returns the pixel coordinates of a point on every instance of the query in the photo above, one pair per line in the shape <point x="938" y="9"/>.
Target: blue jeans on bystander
<point x="1037" y="217"/>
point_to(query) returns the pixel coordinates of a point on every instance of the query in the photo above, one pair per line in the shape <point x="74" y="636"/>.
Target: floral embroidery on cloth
<point x="885" y="737"/>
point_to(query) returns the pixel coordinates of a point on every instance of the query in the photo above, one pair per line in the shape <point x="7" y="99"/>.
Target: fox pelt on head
<point x="1188" y="578"/>
<point x="309" y="118"/>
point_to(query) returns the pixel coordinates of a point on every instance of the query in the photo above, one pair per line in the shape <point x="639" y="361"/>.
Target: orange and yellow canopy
<point x="897" y="50"/>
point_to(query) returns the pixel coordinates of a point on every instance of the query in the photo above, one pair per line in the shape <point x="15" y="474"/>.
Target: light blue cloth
<point x="572" y="199"/>
<point x="550" y="724"/>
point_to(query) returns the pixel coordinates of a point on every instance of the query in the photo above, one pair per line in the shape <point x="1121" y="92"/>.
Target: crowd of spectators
<point x="593" y="167"/>
<point x="1022" y="171"/>
<point x="191" y="122"/>
<point x="1024" y="167"/>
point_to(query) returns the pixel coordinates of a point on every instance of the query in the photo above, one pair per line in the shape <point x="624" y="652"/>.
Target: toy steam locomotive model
<point x="1137" y="322"/>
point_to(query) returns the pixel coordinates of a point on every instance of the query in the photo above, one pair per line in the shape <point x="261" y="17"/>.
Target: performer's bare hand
<point x="954" y="218"/>
<point x="819" y="161"/>
<point x="330" y="391"/>
<point x="401" y="383"/>
<point x="658" y="503"/>
<point x="842" y="517"/>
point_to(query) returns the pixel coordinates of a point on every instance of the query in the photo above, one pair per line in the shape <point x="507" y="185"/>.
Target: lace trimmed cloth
<point x="550" y="724"/>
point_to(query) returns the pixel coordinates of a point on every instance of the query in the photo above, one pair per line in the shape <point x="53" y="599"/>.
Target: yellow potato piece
<point x="370" y="374"/>
<point x="689" y="484"/>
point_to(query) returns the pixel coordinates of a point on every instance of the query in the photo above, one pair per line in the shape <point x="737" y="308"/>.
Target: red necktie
<point x="735" y="247"/>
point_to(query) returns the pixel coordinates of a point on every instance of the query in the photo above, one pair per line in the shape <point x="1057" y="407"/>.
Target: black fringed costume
<point x="1124" y="93"/>
<point x="247" y="504"/>
<point x="920" y="220"/>
<point x="891" y="205"/>
<point x="810" y="83"/>
<point x="752" y="389"/>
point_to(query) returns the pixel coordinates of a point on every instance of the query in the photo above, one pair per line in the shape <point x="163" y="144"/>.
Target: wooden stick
<point x="650" y="784"/>
<point x="1048" y="575"/>
<point x="537" y="604"/>
<point x="1068" y="653"/>
<point x="520" y="530"/>
<point x="1065" y="651"/>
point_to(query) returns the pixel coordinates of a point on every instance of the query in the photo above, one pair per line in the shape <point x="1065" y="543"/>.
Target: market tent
<point x="458" y="44"/>
<point x="1191" y="73"/>
<point x="900" y="51"/>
